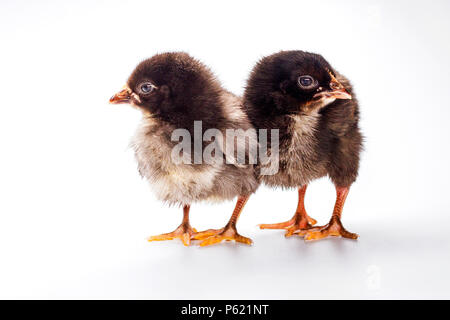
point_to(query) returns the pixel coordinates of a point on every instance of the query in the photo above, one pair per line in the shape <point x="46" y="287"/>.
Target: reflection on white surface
<point x="74" y="214"/>
<point x="387" y="262"/>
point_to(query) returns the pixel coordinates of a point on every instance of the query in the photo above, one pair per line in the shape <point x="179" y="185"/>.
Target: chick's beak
<point x="340" y="93"/>
<point x="337" y="91"/>
<point x="123" y="96"/>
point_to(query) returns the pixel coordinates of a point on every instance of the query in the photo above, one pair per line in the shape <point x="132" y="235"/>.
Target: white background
<point x="74" y="213"/>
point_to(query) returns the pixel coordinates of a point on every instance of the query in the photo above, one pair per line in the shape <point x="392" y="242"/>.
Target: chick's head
<point x="292" y="82"/>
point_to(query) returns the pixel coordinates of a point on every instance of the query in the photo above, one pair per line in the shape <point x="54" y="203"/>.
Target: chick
<point x="175" y="91"/>
<point x="317" y="115"/>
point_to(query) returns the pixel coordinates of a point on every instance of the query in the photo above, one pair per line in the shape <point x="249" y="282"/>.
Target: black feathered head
<point x="292" y="82"/>
<point x="173" y="87"/>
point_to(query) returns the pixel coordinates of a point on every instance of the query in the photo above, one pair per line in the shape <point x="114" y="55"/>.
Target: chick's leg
<point x="299" y="222"/>
<point x="227" y="233"/>
<point x="184" y="232"/>
<point x="334" y="228"/>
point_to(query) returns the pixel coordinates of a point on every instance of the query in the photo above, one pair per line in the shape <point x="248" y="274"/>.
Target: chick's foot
<point x="184" y="232"/>
<point x="333" y="229"/>
<point x="297" y="223"/>
<point x="214" y="236"/>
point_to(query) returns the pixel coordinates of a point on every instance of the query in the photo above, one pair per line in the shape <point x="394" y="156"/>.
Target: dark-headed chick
<point x="174" y="90"/>
<point x="317" y="115"/>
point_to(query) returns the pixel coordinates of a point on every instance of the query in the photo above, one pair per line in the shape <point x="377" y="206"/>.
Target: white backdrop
<point x="74" y="213"/>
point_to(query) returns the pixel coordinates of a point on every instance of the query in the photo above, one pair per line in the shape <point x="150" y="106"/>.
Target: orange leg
<point x="334" y="228"/>
<point x="184" y="232"/>
<point x="299" y="222"/>
<point x="227" y="233"/>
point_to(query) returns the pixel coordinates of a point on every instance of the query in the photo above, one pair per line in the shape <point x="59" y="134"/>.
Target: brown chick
<point x="316" y="112"/>
<point x="180" y="98"/>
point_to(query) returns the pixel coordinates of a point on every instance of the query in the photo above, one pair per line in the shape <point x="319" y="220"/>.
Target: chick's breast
<point x="186" y="183"/>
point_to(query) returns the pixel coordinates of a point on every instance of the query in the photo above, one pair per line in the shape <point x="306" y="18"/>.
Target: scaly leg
<point x="184" y="232"/>
<point x="299" y="222"/>
<point x="334" y="228"/>
<point x="229" y="232"/>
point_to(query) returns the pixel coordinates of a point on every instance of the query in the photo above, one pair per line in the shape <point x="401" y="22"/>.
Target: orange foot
<point x="296" y="224"/>
<point x="183" y="232"/>
<point x="213" y="236"/>
<point x="333" y="229"/>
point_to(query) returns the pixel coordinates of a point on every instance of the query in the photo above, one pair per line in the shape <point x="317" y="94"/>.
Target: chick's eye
<point x="146" y="87"/>
<point x="306" y="82"/>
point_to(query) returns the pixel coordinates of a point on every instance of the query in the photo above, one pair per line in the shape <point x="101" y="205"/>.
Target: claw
<point x="311" y="221"/>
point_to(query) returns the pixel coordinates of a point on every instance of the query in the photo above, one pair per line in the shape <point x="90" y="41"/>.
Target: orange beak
<point x="337" y="91"/>
<point x="338" y="94"/>
<point x="124" y="96"/>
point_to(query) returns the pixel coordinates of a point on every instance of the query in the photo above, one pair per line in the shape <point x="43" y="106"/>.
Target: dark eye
<point x="146" y="87"/>
<point x="307" y="82"/>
